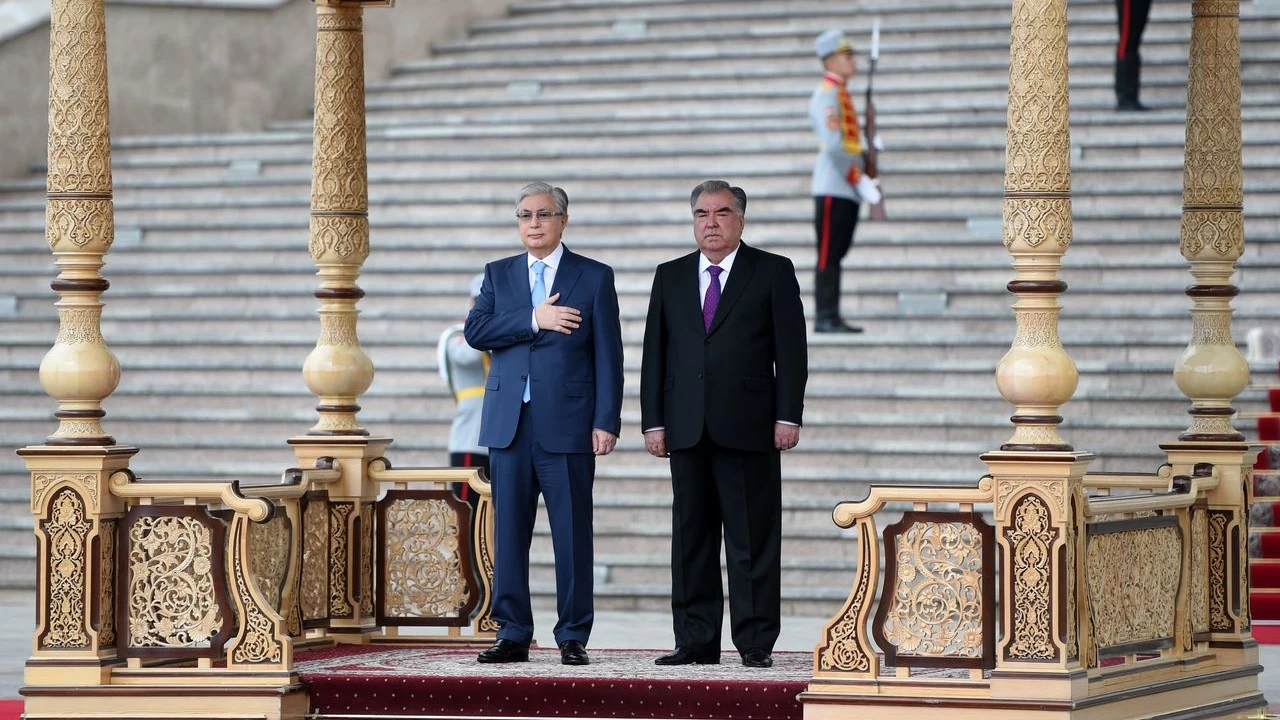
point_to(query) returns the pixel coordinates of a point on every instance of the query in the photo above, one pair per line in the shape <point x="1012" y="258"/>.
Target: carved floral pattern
<point x="87" y="224"/>
<point x="1199" y="571"/>
<point x="1051" y="491"/>
<point x="339" y="560"/>
<point x="1031" y="536"/>
<point x="40" y="484"/>
<point x="79" y="139"/>
<point x="269" y="546"/>
<point x="340" y="238"/>
<point x="257" y="642"/>
<point x="315" y="561"/>
<point x="425" y="576"/>
<point x="935" y="608"/>
<point x="845" y="646"/>
<point x="1030" y="222"/>
<point x="79" y="326"/>
<point x="172" y="600"/>
<point x="66" y="534"/>
<point x="1219" y="614"/>
<point x="366" y="558"/>
<point x="1220" y="232"/>
<point x="339" y="167"/>
<point x="1037" y="158"/>
<point x="107" y="582"/>
<point x="1133" y="584"/>
<point x="484" y="557"/>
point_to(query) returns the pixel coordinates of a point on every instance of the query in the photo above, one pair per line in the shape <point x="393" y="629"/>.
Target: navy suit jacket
<point x="575" y="379"/>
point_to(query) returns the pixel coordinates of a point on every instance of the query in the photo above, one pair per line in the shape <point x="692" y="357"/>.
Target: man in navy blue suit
<point x="552" y="403"/>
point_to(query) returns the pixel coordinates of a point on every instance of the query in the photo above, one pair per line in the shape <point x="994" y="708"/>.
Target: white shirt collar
<point x="726" y="263"/>
<point x="552" y="260"/>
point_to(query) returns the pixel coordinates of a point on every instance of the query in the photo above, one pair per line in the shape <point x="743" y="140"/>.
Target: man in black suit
<point x="721" y="393"/>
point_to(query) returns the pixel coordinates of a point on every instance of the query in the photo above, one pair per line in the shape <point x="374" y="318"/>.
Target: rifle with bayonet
<point x="869" y="152"/>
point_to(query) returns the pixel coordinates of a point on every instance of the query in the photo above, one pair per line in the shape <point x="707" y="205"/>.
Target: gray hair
<point x="542" y="188"/>
<point x="715" y="186"/>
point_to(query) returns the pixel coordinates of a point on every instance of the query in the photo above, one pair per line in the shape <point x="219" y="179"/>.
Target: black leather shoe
<point x="1131" y="106"/>
<point x="834" y="326"/>
<point x="688" y="656"/>
<point x="573" y="653"/>
<point x="504" y="651"/>
<point x="757" y="658"/>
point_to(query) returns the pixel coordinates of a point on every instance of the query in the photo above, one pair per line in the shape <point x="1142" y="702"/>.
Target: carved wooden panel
<point x="1134" y="569"/>
<point x="173" y="586"/>
<point x="424" y="556"/>
<point x="938" y="604"/>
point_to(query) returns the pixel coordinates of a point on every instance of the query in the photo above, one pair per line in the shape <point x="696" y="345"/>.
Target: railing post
<point x="338" y="371"/>
<point x="76" y="516"/>
<point x="1038" y="477"/>
<point x="1211" y="372"/>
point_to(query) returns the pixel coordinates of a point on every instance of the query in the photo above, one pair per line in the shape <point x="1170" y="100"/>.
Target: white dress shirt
<point x="704" y="277"/>
<point x="548" y="275"/>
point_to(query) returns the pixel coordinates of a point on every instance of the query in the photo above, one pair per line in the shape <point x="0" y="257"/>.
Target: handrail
<point x="124" y="484"/>
<point x="847" y="513"/>
<point x="296" y="482"/>
<point x="1133" y="481"/>
<point x="380" y="471"/>
<point x="1183" y="492"/>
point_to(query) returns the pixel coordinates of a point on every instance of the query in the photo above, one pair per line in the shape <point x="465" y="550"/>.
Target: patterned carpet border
<point x="356" y="680"/>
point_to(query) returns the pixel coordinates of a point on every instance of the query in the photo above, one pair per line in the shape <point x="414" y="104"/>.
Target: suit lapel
<point x="743" y="267"/>
<point x="518" y="276"/>
<point x="566" y="275"/>
<point x="684" y="289"/>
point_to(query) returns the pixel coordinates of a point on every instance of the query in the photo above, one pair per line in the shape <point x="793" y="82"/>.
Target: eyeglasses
<point x="525" y="217"/>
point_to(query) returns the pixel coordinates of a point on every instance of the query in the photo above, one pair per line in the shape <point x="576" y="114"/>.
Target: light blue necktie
<point x="537" y="295"/>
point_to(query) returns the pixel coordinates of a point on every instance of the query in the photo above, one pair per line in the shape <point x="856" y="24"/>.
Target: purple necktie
<point x="712" y="300"/>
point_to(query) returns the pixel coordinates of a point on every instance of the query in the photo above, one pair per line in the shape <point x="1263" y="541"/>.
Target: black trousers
<point x="1131" y="17"/>
<point x="462" y="490"/>
<point x="741" y="491"/>
<point x="834" y="220"/>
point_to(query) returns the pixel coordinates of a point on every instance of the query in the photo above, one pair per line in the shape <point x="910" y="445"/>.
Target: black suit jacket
<point x="736" y="380"/>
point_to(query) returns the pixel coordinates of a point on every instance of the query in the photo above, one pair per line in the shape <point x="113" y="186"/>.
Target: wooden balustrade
<point x="1141" y="600"/>
<point x="190" y="581"/>
<point x="435" y="561"/>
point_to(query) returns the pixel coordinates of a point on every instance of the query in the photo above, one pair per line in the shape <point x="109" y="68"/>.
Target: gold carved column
<point x="76" y="516"/>
<point x="338" y="371"/>
<point x="1038" y="478"/>
<point x="1211" y="371"/>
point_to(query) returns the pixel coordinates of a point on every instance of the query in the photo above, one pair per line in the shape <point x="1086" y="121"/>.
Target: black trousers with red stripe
<point x="1131" y="17"/>
<point x="834" y="220"/>
<point x="462" y="490"/>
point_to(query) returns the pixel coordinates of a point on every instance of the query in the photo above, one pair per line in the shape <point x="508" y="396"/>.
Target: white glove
<point x="867" y="190"/>
<point x="877" y="143"/>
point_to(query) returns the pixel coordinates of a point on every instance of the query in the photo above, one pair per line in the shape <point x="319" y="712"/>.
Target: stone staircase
<point x="628" y="104"/>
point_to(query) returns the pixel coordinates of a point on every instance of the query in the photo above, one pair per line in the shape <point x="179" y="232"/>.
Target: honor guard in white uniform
<point x="464" y="369"/>
<point x="838" y="181"/>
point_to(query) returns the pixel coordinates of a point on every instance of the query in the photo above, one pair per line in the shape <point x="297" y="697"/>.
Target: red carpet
<point x="363" y="680"/>
<point x="1264" y="522"/>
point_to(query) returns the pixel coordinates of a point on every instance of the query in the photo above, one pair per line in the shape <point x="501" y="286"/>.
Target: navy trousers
<point x="520" y="472"/>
